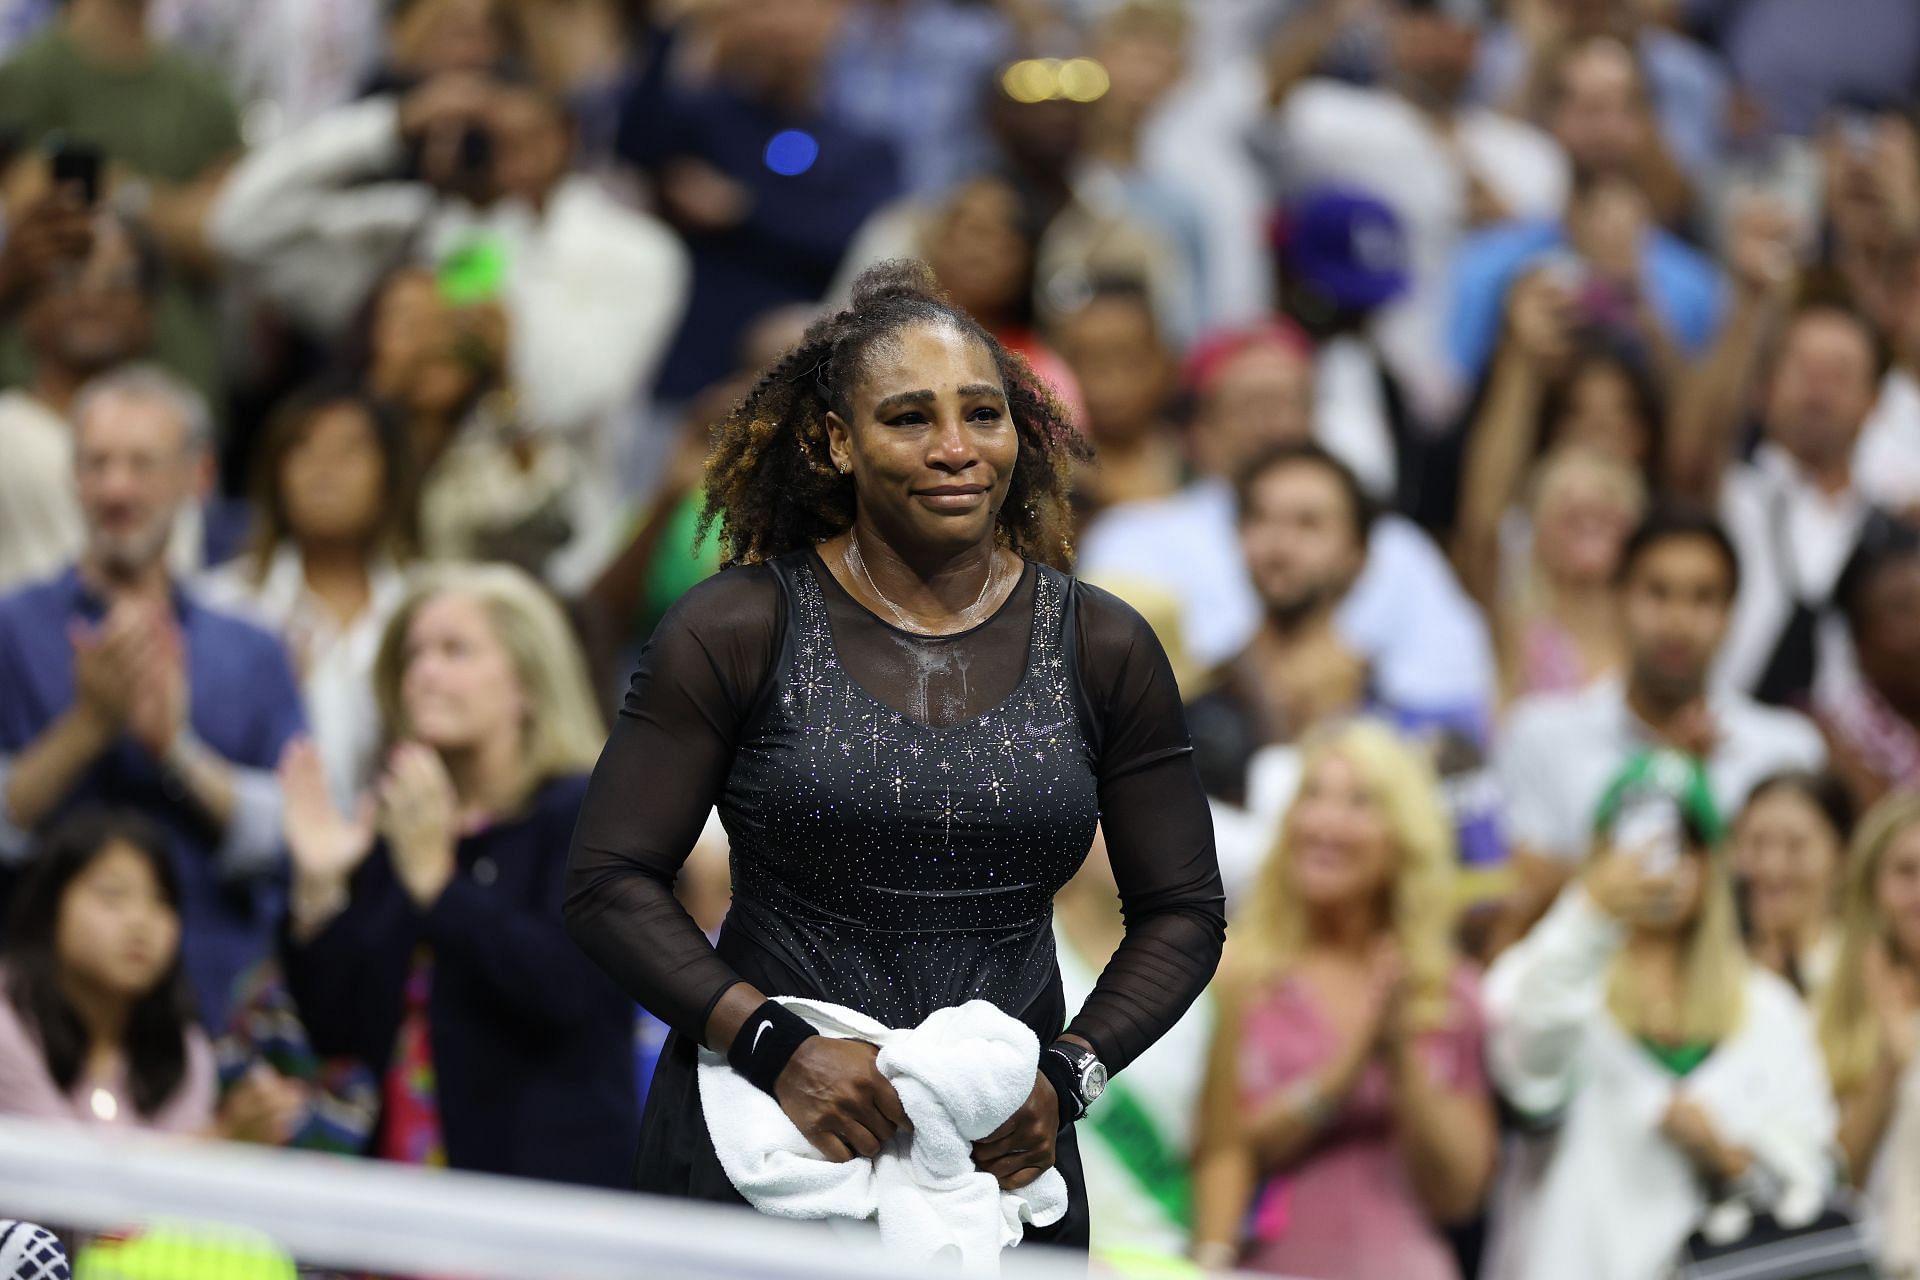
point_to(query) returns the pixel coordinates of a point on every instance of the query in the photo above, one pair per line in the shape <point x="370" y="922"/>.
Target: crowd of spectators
<point x="1505" y="411"/>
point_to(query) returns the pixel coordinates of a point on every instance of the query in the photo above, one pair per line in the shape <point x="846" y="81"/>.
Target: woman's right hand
<point x="835" y="1095"/>
<point x="1620" y="885"/>
<point x="325" y="845"/>
<point x="1541" y="314"/>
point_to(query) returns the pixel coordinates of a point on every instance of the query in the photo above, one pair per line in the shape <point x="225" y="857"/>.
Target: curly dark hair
<point x="771" y="483"/>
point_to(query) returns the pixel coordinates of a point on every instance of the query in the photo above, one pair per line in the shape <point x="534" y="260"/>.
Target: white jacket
<point x="1618" y="1199"/>
<point x="594" y="291"/>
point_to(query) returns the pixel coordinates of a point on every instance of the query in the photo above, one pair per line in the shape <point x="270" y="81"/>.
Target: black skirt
<point x="677" y="1158"/>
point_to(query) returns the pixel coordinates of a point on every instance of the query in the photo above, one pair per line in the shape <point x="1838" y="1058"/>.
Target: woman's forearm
<point x="1223" y="1181"/>
<point x="1498" y="446"/>
<point x="1446" y="1138"/>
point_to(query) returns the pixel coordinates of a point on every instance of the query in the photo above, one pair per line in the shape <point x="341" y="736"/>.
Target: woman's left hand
<point x="417" y="816"/>
<point x="1023" y="1148"/>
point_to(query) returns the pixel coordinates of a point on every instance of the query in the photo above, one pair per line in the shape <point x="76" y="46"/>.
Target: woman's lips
<point x="953" y="497"/>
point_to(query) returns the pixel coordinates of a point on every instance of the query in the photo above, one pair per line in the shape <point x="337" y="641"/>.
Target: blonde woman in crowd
<point x="426" y="937"/>
<point x="1632" y="1022"/>
<point x="1789" y="856"/>
<point x="1870" y="1020"/>
<point x="1559" y="628"/>
<point x="1346" y="1102"/>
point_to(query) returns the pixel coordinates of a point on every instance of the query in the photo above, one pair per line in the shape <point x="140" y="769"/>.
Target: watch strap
<point x="1062" y="1065"/>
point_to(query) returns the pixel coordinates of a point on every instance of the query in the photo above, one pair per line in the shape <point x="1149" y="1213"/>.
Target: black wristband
<point x="1060" y="1074"/>
<point x="766" y="1041"/>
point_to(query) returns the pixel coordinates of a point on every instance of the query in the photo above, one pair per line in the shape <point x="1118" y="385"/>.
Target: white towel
<point x="959" y="1075"/>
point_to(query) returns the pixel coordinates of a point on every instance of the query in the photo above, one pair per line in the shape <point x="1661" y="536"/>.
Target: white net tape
<point x="357" y="1215"/>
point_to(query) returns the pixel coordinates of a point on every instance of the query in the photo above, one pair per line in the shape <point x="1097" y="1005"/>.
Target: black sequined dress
<point x="902" y="810"/>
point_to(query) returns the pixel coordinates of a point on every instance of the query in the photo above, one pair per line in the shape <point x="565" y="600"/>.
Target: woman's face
<point x="416" y="358"/>
<point x="459" y="687"/>
<point x="1602" y="414"/>
<point x="1342" y="851"/>
<point x="1581" y="524"/>
<point x="334" y="477"/>
<point x="979" y="252"/>
<point x="1788" y="855"/>
<point x="116" y="933"/>
<point x="1896" y="890"/>
<point x="932" y="444"/>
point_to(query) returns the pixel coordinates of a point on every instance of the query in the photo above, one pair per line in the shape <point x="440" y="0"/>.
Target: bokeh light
<point x="791" y="152"/>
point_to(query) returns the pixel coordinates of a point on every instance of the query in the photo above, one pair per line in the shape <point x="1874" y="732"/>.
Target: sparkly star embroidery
<point x="875" y="736"/>
<point x="996" y="786"/>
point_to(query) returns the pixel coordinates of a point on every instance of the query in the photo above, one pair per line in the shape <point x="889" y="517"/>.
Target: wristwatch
<point x="1085" y="1076"/>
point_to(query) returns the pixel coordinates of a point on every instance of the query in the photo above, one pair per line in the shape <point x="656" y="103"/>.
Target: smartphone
<point x="1649" y="827"/>
<point x="78" y="164"/>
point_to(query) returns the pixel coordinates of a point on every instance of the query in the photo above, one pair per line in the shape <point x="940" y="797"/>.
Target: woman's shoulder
<point x="742" y="596"/>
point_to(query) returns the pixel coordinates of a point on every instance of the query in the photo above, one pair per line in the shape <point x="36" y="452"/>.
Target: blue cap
<point x="1345" y="243"/>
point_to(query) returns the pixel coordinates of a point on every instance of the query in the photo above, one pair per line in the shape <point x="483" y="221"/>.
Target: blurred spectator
<point x="1142" y="47"/>
<point x="167" y="133"/>
<point x="426" y="39"/>
<point x="1555" y="382"/>
<point x="286" y="61"/>
<point x="591" y="53"/>
<point x="96" y="1023"/>
<point x="1444" y="167"/>
<point x="1686" y="87"/>
<point x="466" y="179"/>
<point x="1793" y="61"/>
<point x="1869" y="1017"/>
<point x="1789" y="853"/>
<point x="667" y="553"/>
<point x="1346" y="1115"/>
<point x="984" y="245"/>
<point x="1613" y="264"/>
<point x="1632" y="1022"/>
<point x="425" y="936"/>
<point x="1127" y="378"/>
<point x="1079" y="220"/>
<point x="1406" y="615"/>
<point x="1796" y="510"/>
<point x="1558" y="627"/>
<point x="1873" y="722"/>
<point x="117" y="683"/>
<point x="1342" y="257"/>
<point x="766" y="185"/>
<point x="84" y="287"/>
<point x="333" y="496"/>
<point x="1137" y="1149"/>
<point x="1304" y="531"/>
<point x="937" y="54"/>
<point x="1557" y="753"/>
<point x="1887" y="459"/>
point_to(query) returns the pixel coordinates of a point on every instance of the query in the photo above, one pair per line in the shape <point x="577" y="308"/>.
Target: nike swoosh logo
<point x="764" y="1027"/>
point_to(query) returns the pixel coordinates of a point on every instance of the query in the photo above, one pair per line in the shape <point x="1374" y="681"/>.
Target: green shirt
<point x="168" y="120"/>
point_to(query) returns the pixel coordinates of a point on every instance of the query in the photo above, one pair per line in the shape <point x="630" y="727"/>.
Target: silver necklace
<point x="859" y="563"/>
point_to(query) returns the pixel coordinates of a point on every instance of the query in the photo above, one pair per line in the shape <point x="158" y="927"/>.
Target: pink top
<point x="1346" y="1210"/>
<point x="26" y="1088"/>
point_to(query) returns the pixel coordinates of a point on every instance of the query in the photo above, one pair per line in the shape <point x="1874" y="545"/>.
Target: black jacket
<point x="532" y="1043"/>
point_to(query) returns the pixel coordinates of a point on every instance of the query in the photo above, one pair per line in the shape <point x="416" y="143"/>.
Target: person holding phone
<point x="1633" y="1024"/>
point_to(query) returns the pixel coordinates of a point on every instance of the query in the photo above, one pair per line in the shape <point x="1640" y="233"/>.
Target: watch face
<point x="1093" y="1082"/>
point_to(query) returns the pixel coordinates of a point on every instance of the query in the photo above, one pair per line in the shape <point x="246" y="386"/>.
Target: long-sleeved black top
<point x="901" y="808"/>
